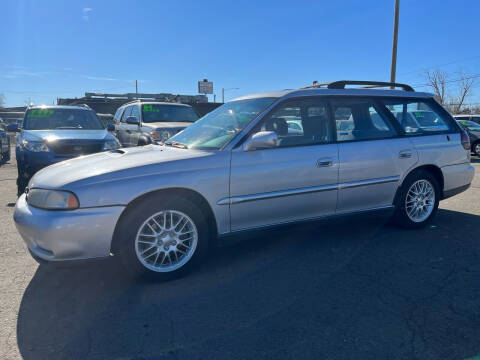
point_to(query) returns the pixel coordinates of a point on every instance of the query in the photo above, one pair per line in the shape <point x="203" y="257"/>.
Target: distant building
<point x="109" y="103"/>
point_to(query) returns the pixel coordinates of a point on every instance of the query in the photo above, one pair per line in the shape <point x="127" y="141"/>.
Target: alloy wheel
<point x="166" y="241"/>
<point x="420" y="200"/>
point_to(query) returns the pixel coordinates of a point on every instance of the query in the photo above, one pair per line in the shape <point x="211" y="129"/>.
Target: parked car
<point x="4" y="143"/>
<point x="473" y="131"/>
<point x="50" y="134"/>
<point x="140" y="123"/>
<point x="158" y="208"/>
<point x="473" y="117"/>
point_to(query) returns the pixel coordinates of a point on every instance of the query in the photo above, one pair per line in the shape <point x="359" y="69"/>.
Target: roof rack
<point x="83" y="105"/>
<point x="368" y="84"/>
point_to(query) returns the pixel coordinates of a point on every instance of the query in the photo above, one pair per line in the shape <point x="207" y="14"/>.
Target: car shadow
<point x="347" y="288"/>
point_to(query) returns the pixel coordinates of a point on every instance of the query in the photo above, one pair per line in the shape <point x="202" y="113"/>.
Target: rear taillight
<point x="465" y="140"/>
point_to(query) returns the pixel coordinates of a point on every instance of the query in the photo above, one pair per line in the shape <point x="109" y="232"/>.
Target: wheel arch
<point x="144" y="139"/>
<point x="185" y="193"/>
<point x="432" y="169"/>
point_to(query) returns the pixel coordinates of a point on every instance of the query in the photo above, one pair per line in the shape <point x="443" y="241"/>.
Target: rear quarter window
<point x="418" y="117"/>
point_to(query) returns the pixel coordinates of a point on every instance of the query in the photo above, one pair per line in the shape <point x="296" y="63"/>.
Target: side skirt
<point x="387" y="210"/>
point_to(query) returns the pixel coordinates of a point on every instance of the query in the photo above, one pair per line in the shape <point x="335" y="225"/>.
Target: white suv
<point x="141" y="123"/>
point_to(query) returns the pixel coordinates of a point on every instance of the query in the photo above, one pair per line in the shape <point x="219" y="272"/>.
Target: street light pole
<point x="393" y="69"/>
<point x="223" y="93"/>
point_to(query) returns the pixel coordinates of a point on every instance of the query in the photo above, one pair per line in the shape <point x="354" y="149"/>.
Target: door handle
<point x="405" y="154"/>
<point x="324" y="162"/>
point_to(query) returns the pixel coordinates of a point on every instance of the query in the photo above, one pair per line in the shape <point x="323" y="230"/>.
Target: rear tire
<point x="162" y="238"/>
<point x="6" y="157"/>
<point x="476" y="148"/>
<point x="417" y="200"/>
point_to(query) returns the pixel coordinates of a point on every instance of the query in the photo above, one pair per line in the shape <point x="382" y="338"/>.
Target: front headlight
<point x="161" y="135"/>
<point x="110" y="145"/>
<point x="52" y="199"/>
<point x="35" y="146"/>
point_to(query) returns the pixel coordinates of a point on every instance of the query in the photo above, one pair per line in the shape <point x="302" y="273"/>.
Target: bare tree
<point x="2" y="100"/>
<point x="441" y="84"/>
<point x="437" y="80"/>
<point x="464" y="89"/>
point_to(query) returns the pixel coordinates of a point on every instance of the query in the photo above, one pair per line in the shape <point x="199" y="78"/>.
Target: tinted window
<point x="61" y="119"/>
<point x="299" y="122"/>
<point x="417" y="117"/>
<point x="126" y="113"/>
<point x="168" y="113"/>
<point x="359" y="119"/>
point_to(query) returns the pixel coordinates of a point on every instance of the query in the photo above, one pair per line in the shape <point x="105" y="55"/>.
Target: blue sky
<point x="56" y="49"/>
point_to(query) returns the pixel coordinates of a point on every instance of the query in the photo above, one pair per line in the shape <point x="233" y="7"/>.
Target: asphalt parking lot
<point x="348" y="288"/>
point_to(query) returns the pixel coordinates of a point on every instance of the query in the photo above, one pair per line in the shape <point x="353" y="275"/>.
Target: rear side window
<point x="417" y="117"/>
<point x="360" y="119"/>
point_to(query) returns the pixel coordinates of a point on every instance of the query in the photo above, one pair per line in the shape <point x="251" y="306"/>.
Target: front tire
<point x="417" y="200"/>
<point x="162" y="238"/>
<point x="22" y="180"/>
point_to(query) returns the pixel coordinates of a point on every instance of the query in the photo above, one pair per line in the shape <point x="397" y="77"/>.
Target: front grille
<point x="77" y="148"/>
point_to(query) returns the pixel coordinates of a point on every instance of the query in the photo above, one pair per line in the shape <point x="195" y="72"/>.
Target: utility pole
<point x="393" y="69"/>
<point x="136" y="88"/>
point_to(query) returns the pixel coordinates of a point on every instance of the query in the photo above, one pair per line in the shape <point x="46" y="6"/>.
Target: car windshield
<point x="216" y="129"/>
<point x="61" y="119"/>
<point x="168" y="113"/>
<point x="470" y="125"/>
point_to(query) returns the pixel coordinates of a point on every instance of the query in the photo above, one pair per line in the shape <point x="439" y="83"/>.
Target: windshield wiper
<point x="176" y="144"/>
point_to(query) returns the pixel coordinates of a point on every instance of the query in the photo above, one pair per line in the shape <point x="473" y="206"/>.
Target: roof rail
<point x="83" y="105"/>
<point x="368" y="84"/>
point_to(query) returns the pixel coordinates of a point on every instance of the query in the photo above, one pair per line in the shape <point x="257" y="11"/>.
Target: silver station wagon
<point x="241" y="167"/>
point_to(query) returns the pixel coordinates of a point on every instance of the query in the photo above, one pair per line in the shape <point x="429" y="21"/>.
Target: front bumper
<point x="66" y="235"/>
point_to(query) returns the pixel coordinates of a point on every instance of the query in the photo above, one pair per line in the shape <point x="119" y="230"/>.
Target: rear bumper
<point x="457" y="178"/>
<point x="453" y="192"/>
<point x="66" y="235"/>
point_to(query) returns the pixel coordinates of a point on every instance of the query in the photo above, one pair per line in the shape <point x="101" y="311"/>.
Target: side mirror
<point x="261" y="140"/>
<point x="110" y="127"/>
<point x="13" y="127"/>
<point x="132" y="120"/>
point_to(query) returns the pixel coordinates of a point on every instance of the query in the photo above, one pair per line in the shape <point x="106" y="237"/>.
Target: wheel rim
<point x="166" y="241"/>
<point x="420" y="200"/>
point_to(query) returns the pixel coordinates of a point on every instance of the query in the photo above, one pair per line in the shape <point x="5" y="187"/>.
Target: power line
<point x="474" y="76"/>
<point x="441" y="65"/>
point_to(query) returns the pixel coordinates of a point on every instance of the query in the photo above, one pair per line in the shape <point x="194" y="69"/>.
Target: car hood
<point x="124" y="163"/>
<point x="167" y="125"/>
<point x="49" y="135"/>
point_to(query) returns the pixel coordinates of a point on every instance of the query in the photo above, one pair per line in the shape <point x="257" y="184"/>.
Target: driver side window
<point x="299" y="123"/>
<point x="126" y="114"/>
